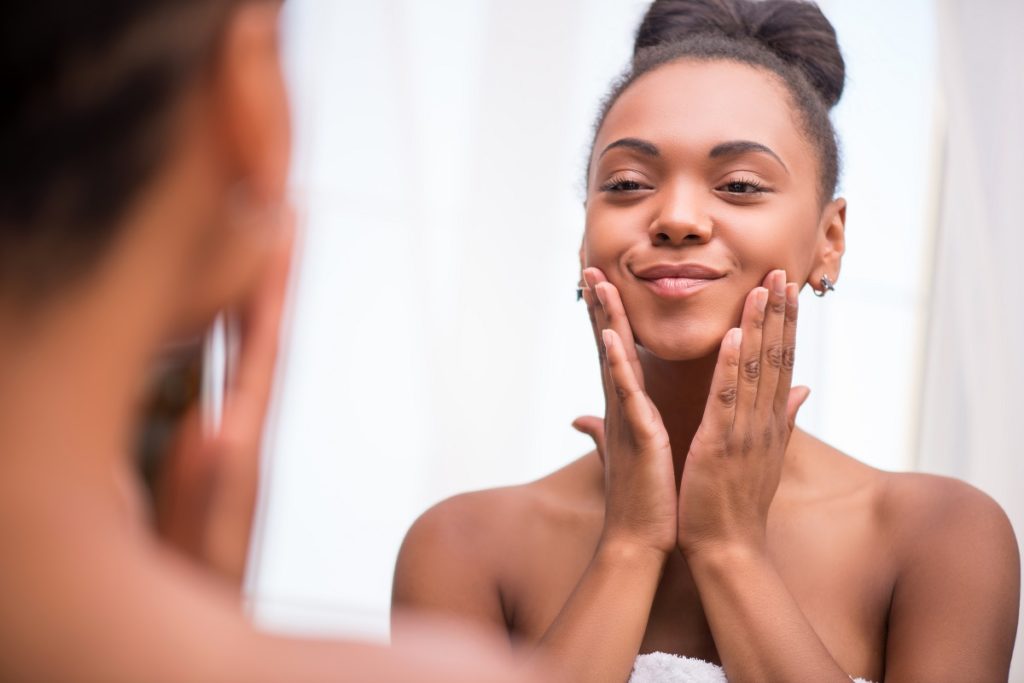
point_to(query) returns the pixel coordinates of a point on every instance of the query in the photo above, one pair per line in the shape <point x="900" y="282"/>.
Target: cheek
<point x="611" y="234"/>
<point x="752" y="243"/>
<point x="604" y="241"/>
<point x="758" y="249"/>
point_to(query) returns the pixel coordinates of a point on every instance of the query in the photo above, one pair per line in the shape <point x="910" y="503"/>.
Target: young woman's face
<point x="701" y="183"/>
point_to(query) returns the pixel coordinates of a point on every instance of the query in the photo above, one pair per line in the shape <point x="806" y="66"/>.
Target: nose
<point x="680" y="220"/>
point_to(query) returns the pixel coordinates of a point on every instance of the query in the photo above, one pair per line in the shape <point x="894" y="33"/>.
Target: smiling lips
<point x="677" y="281"/>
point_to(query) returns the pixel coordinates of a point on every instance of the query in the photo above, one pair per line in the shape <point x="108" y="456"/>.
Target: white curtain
<point x="436" y="345"/>
<point x="971" y="421"/>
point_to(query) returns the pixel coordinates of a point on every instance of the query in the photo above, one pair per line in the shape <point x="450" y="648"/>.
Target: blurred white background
<point x="436" y="345"/>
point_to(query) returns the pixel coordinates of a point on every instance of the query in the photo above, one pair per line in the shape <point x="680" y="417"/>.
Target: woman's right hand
<point x="640" y="490"/>
<point x="206" y="494"/>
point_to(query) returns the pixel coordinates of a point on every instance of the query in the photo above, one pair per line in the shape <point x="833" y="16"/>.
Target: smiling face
<point x="701" y="183"/>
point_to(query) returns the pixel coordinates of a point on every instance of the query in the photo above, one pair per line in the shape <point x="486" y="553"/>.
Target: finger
<point x="751" y="323"/>
<point x="593" y="427"/>
<point x="599" y="320"/>
<point x="592" y="304"/>
<point x="635" y="406"/>
<point x="615" y="312"/>
<point x="249" y="396"/>
<point x="788" y="347"/>
<point x="771" y="341"/>
<point x="720" y="410"/>
<point x="797" y="397"/>
<point x="236" y="448"/>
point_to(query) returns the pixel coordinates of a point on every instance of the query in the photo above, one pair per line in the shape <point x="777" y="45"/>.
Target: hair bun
<point x="794" y="30"/>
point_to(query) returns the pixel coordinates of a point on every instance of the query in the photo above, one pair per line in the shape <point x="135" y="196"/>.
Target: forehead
<point x="692" y="105"/>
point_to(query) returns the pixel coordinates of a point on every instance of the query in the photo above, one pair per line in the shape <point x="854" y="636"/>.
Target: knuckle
<point x="789" y="356"/>
<point x="775" y="356"/>
<point x="712" y="444"/>
<point x="727" y="395"/>
<point x="746" y="443"/>
<point x="650" y="433"/>
<point x="621" y="394"/>
<point x="752" y="369"/>
<point x="778" y="307"/>
<point x="768" y="436"/>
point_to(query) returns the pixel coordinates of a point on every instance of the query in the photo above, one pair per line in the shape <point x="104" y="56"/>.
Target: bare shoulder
<point x="927" y="508"/>
<point x="913" y="507"/>
<point x="951" y="559"/>
<point x="955" y="600"/>
<point x="490" y="519"/>
<point x="454" y="555"/>
<point x="951" y="539"/>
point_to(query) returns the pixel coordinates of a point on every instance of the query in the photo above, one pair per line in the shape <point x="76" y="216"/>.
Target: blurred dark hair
<point x="791" y="39"/>
<point x="89" y="89"/>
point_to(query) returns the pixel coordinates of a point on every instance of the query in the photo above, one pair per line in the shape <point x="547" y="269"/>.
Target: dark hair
<point x="791" y="39"/>
<point x="88" y="94"/>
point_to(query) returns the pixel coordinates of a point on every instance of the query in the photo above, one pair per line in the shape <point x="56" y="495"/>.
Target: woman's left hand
<point x="734" y="463"/>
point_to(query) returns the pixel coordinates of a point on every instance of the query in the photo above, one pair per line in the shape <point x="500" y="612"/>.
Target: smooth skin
<point x="88" y="591"/>
<point x="705" y="524"/>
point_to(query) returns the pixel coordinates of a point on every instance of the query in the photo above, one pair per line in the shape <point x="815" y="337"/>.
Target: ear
<point x="831" y="243"/>
<point x="252" y="101"/>
<point x="250" y="129"/>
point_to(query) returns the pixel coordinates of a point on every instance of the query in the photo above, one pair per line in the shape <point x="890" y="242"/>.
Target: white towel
<point x="659" y="667"/>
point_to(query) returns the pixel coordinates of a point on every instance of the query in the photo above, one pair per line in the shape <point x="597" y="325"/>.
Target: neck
<point x="680" y="391"/>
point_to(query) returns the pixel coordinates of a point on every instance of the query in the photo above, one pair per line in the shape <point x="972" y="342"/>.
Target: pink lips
<point x="677" y="281"/>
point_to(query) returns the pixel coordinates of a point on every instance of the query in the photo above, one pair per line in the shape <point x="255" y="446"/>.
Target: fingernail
<point x="761" y="298"/>
<point x="779" y="283"/>
<point x="606" y="337"/>
<point x="735" y="338"/>
<point x="600" y="294"/>
<point x="792" y="295"/>
<point x="588" y="278"/>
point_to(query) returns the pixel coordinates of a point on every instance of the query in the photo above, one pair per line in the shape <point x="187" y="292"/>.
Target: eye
<point x="620" y="184"/>
<point x="745" y="186"/>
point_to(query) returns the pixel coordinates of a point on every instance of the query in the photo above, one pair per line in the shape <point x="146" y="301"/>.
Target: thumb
<point x="797" y="396"/>
<point x="593" y="427"/>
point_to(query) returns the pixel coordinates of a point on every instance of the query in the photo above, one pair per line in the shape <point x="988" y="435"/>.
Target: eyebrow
<point x="723" y="149"/>
<point x="738" y="147"/>
<point x="637" y="144"/>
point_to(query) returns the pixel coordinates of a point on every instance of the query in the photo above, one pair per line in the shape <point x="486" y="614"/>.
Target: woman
<point x="145" y="148"/>
<point x="705" y="525"/>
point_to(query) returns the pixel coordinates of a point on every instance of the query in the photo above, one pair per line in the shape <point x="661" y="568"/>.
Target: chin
<point x="678" y="342"/>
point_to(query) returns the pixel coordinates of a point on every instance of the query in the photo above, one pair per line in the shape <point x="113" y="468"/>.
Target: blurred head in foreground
<point x="144" y="142"/>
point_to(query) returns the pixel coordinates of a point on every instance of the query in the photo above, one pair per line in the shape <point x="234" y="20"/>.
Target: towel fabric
<point x="659" y="667"/>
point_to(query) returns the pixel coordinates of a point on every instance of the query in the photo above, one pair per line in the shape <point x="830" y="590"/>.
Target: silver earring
<point x="826" y="286"/>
